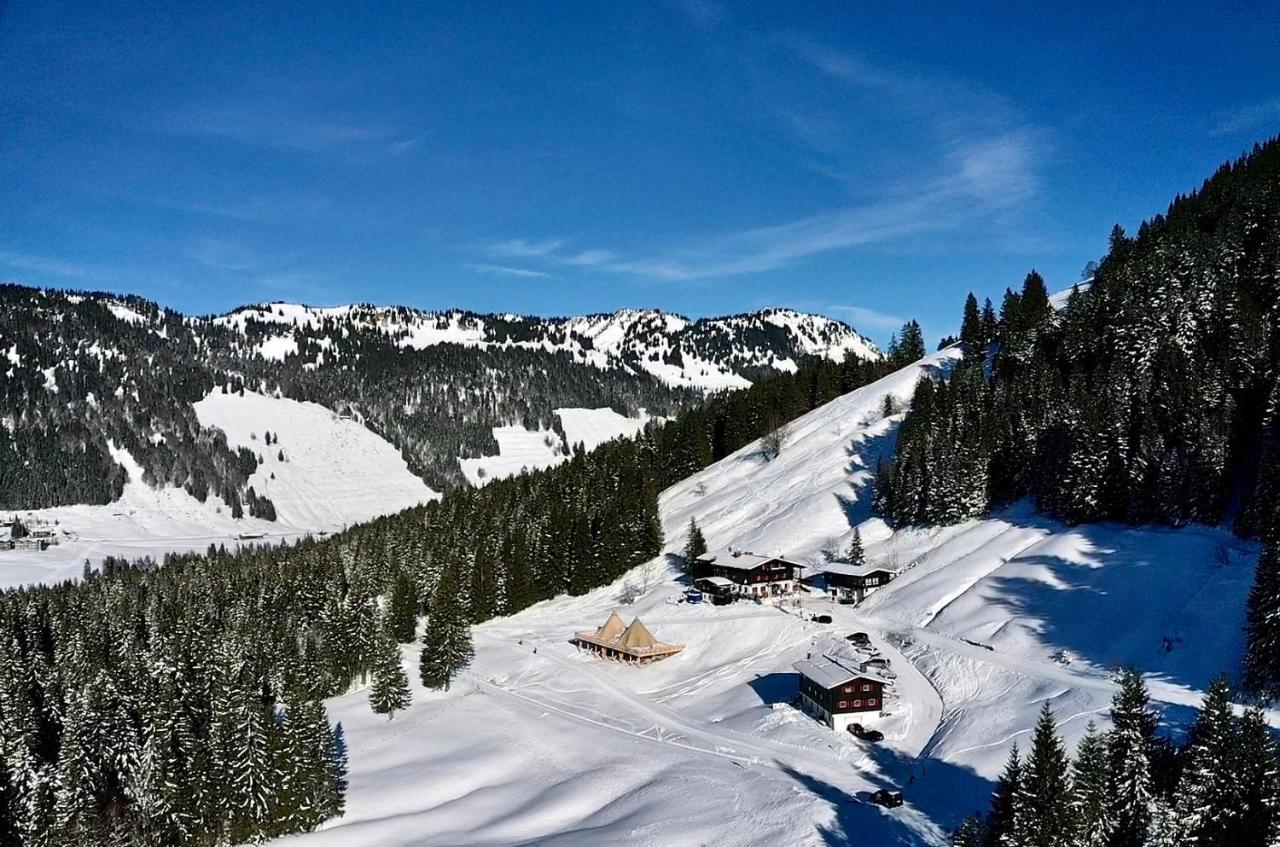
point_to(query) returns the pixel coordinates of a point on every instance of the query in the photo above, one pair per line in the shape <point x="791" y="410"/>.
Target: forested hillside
<point x="1151" y="396"/>
<point x="181" y="704"/>
<point x="86" y="374"/>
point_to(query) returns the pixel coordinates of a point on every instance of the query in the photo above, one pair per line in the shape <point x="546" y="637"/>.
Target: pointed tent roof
<point x="637" y="636"/>
<point x="612" y="628"/>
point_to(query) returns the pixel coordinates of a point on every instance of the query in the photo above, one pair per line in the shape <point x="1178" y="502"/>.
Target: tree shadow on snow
<point x="1168" y="601"/>
<point x="942" y="793"/>
<point x="857" y="504"/>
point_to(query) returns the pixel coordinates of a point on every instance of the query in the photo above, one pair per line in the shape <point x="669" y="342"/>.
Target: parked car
<point x="859" y="638"/>
<point x="885" y="797"/>
<point x="877" y="662"/>
<point x="692" y="595"/>
<point x="860" y="731"/>
<point x="822" y="618"/>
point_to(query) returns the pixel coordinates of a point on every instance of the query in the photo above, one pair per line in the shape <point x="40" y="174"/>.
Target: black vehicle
<point x="822" y="618"/>
<point x="859" y="638"/>
<point x="860" y="731"/>
<point x="885" y="797"/>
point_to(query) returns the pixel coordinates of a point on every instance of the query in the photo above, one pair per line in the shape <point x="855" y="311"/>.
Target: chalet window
<point x="866" y="687"/>
<point x="844" y="704"/>
<point x="871" y="702"/>
<point x="857" y="704"/>
<point x="848" y="689"/>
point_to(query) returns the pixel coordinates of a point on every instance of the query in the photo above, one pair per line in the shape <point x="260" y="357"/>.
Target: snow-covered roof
<point x="715" y="580"/>
<point x="846" y="569"/>
<point x="829" y="671"/>
<point x="742" y="560"/>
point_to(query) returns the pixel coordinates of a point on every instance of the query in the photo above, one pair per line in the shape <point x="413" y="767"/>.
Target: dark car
<point x="860" y="731"/>
<point x="858" y="638"/>
<point x="885" y="797"/>
<point x="822" y="618"/>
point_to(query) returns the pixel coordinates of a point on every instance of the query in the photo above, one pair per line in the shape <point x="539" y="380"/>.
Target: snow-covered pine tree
<point x="446" y="643"/>
<point x="1256" y="822"/>
<point x="972" y="832"/>
<point x="855" y="554"/>
<point x="1090" y="792"/>
<point x="1129" y="752"/>
<point x="1206" y="799"/>
<point x="1262" y="654"/>
<point x="1042" y="814"/>
<point x="390" y="692"/>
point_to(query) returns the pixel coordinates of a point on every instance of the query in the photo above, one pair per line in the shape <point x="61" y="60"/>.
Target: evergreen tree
<point x="390" y="692"/>
<point x="1090" y="790"/>
<point x="855" y="555"/>
<point x="1000" y="819"/>
<point x="1206" y="802"/>
<point x="1254" y="821"/>
<point x="1262" y="654"/>
<point x="446" y="643"/>
<point x="1043" y="804"/>
<point x="1129" y="752"/>
<point x="695" y="547"/>
<point x="972" y="832"/>
<point x="973" y="339"/>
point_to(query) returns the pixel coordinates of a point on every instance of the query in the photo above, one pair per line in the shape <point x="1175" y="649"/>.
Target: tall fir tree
<point x="1129" y="752"/>
<point x="1000" y="818"/>
<point x="1090" y="789"/>
<point x="390" y="692"/>
<point x="1043" y="805"/>
<point x="446" y="643"/>
<point x="1262" y="653"/>
<point x="695" y="547"/>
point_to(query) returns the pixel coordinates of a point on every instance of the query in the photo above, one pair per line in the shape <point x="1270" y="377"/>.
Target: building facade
<point x="839" y="692"/>
<point x="751" y="575"/>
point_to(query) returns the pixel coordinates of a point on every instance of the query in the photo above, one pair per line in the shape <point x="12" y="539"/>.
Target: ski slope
<point x="537" y="743"/>
<point x="334" y="472"/>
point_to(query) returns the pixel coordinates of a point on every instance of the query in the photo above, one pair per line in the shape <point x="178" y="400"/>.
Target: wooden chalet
<point x="749" y="574"/>
<point x="851" y="583"/>
<point x="839" y="691"/>
<point x="633" y="643"/>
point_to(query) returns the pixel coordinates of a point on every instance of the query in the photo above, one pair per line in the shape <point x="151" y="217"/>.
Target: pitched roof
<point x="829" y="672"/>
<point x="611" y="629"/>
<point x="741" y="560"/>
<point x="846" y="569"/>
<point x="637" y="636"/>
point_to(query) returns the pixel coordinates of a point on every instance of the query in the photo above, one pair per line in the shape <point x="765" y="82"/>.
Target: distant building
<point x="751" y="575"/>
<point x="633" y="643"/>
<point x="718" y="589"/>
<point x="840" y="691"/>
<point x="851" y="583"/>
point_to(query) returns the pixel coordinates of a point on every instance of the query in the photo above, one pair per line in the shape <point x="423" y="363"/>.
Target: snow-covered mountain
<point x="990" y="619"/>
<point x="707" y="354"/>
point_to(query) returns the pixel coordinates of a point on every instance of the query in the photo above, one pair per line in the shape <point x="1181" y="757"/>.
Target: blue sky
<point x="872" y="161"/>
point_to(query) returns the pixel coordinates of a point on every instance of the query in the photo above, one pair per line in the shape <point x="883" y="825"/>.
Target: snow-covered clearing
<point x="520" y="449"/>
<point x="553" y="747"/>
<point x="335" y="472"/>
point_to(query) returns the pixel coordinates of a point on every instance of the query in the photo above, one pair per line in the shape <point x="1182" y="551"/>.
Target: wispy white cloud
<point x="975" y="161"/>
<point x="704" y="13"/>
<point x="1247" y="118"/>
<point x="522" y="248"/>
<point x="280" y="124"/>
<point x="507" y="270"/>
<point x="50" y="265"/>
<point x="869" y="320"/>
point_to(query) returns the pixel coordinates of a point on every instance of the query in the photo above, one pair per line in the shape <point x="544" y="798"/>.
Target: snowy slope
<point x="335" y="472"/>
<point x="552" y="747"/>
<point x="521" y="450"/>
